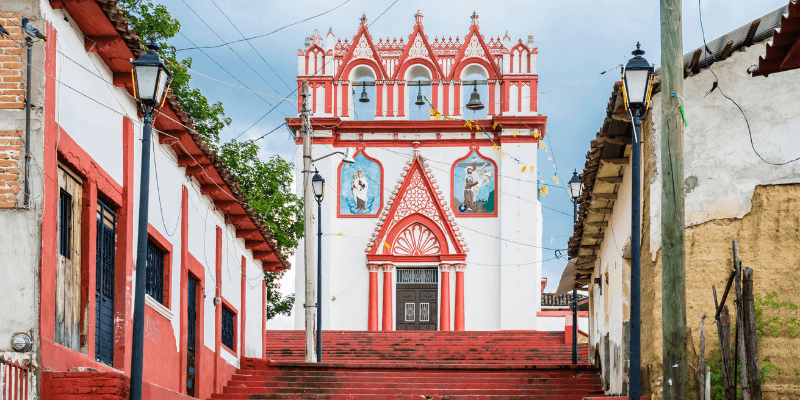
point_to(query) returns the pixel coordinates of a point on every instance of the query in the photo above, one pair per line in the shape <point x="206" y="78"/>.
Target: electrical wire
<point x="716" y="85"/>
<point x="266" y="34"/>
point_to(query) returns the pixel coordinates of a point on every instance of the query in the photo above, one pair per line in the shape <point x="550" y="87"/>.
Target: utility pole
<point x="673" y="279"/>
<point x="308" y="242"/>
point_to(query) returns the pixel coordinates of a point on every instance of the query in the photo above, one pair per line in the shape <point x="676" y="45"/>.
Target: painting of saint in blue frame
<point x="360" y="191"/>
<point x="474" y="183"/>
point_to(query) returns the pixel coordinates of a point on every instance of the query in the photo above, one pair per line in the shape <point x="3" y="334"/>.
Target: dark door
<point x="191" y="337"/>
<point x="417" y="308"/>
<point x="104" y="310"/>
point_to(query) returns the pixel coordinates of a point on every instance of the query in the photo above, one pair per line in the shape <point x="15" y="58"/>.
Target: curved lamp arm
<point x="335" y="152"/>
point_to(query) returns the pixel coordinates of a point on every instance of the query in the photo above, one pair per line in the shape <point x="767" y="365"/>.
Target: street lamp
<point x="575" y="189"/>
<point x="150" y="81"/>
<point x="318" y="184"/>
<point x="637" y="77"/>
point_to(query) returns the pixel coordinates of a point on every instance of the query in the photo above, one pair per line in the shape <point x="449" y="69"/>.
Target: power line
<point x="251" y="45"/>
<point x="266" y="34"/>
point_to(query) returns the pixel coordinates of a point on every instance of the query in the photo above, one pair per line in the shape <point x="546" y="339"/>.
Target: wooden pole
<point x="702" y="369"/>
<point x="740" y="357"/>
<point x="751" y="344"/>
<point x="673" y="280"/>
<point x="723" y="330"/>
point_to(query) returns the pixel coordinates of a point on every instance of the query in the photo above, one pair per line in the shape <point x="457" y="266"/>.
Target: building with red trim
<point x="69" y="239"/>
<point x="445" y="205"/>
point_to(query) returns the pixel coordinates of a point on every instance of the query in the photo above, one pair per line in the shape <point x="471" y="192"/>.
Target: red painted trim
<point x="534" y="93"/>
<point x="203" y="383"/>
<point x="423" y="220"/>
<point x="372" y="313"/>
<point x="328" y="97"/>
<point x="123" y="301"/>
<point x="339" y="196"/>
<point x="379" y="99"/>
<point x="218" y="313"/>
<point x="80" y="162"/>
<point x="434" y="93"/>
<point x="459" y="318"/>
<point x="444" y="308"/>
<point x="434" y="68"/>
<point x="376" y="68"/>
<point x="345" y="103"/>
<point x="561" y="313"/>
<point x="452" y="186"/>
<point x="390" y="100"/>
<point x="446" y="96"/>
<point x="491" y="99"/>
<point x="164" y="245"/>
<point x="89" y="264"/>
<point x="388" y="305"/>
<point x="401" y="100"/>
<point x="184" y="295"/>
<point x="504" y="95"/>
<point x="457" y="99"/>
<point x="47" y="263"/>
<point x="263" y="317"/>
<point x="519" y="96"/>
<point x="313" y="97"/>
<point x="511" y="60"/>
<point x="335" y="100"/>
<point x="459" y="63"/>
<point x="299" y="98"/>
<point x="345" y="72"/>
<point x="243" y="310"/>
<point x="404" y="62"/>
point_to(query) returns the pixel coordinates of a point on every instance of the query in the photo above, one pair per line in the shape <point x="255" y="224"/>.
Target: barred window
<point x="155" y="272"/>
<point x="228" y="327"/>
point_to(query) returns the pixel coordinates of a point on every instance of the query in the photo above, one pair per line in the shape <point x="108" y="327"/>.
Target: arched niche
<point x="362" y="111"/>
<point x="417" y="73"/>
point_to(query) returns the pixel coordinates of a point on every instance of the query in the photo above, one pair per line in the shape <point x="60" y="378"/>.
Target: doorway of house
<point x="417" y="299"/>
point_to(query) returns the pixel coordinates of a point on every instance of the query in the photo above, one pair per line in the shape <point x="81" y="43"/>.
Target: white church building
<point x="437" y="224"/>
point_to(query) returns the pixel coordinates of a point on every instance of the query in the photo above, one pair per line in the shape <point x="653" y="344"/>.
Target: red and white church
<point x="448" y="215"/>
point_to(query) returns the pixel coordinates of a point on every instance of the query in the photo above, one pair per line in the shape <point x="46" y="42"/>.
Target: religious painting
<point x="360" y="191"/>
<point x="474" y="183"/>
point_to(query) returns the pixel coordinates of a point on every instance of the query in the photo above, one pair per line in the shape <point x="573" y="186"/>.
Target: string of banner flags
<point x="473" y="124"/>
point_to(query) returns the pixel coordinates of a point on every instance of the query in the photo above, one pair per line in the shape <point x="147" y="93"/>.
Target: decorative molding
<point x="158" y="307"/>
<point x="387" y="267"/>
<point x="416" y="240"/>
<point x="444" y="267"/>
<point x="460" y="267"/>
<point x="372" y="267"/>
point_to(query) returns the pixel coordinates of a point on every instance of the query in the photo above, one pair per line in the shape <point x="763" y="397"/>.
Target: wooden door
<point x="104" y="285"/>
<point x="417" y="308"/>
<point x="68" y="270"/>
<point x="191" y="359"/>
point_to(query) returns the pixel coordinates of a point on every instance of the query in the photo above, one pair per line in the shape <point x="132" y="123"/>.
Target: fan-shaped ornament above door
<point x="416" y="240"/>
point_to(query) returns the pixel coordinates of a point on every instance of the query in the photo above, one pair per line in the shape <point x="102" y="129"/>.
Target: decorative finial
<point x="364" y="19"/>
<point x="638" y="52"/>
<point x="474" y="18"/>
<point x="418" y="17"/>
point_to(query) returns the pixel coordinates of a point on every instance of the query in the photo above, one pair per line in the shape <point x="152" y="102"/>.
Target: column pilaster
<point x="372" y="317"/>
<point x="388" y="317"/>
<point x="459" y="317"/>
<point x="444" y="309"/>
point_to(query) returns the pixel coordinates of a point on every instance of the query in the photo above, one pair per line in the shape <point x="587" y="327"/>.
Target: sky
<point x="576" y="39"/>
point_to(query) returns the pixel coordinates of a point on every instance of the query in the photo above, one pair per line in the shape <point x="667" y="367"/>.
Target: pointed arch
<point x="465" y="55"/>
<point x="413" y="55"/>
<point x="350" y="57"/>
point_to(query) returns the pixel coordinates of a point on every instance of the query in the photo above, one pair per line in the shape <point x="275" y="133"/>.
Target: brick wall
<point x="12" y="97"/>
<point x="85" y="385"/>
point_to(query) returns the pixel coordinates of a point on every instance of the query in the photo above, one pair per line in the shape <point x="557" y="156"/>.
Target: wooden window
<point x="155" y="272"/>
<point x="228" y="328"/>
<point x="68" y="275"/>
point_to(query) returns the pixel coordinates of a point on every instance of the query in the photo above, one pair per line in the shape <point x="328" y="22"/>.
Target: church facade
<point x="437" y="223"/>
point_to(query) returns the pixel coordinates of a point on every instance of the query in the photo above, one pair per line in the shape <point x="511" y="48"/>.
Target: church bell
<point x="475" y="100"/>
<point x="419" y="101"/>
<point x="364" y="98"/>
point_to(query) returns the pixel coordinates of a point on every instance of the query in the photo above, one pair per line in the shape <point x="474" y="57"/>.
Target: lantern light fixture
<point x="150" y="78"/>
<point x="575" y="186"/>
<point x="637" y="78"/>
<point x="318" y="184"/>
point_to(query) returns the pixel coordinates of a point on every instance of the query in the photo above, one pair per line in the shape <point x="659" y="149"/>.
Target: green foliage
<point x="277" y="304"/>
<point x="268" y="189"/>
<point x="266" y="184"/>
<point x="767" y="323"/>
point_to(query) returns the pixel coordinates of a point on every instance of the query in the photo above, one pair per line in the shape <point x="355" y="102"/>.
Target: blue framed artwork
<point x="360" y="191"/>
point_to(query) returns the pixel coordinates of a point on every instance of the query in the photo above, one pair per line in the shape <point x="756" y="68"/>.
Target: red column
<point x="390" y="99"/>
<point x="446" y="96"/>
<point x="434" y="93"/>
<point x="378" y="99"/>
<point x="459" y="319"/>
<point x="401" y="100"/>
<point x="335" y="100"/>
<point x="263" y="317"/>
<point x="491" y="99"/>
<point x="388" y="316"/>
<point x="444" y="309"/>
<point x="372" y="319"/>
<point x="457" y="99"/>
<point x="345" y="99"/>
<point x="218" y="314"/>
<point x="243" y="310"/>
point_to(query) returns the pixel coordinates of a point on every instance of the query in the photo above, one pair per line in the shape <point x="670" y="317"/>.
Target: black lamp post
<point x="151" y="79"/>
<point x="575" y="188"/>
<point x="318" y="183"/>
<point x="637" y="78"/>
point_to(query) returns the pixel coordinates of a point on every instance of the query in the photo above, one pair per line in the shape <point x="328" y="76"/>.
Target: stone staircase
<point x="418" y="365"/>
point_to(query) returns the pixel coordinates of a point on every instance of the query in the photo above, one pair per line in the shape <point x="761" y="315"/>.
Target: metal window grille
<point x="424" y="312"/>
<point x="155" y="272"/>
<point x="417" y="275"/>
<point x="410" y="312"/>
<point x="64" y="225"/>
<point x="227" y="327"/>
<point x="104" y="286"/>
<point x="14" y="380"/>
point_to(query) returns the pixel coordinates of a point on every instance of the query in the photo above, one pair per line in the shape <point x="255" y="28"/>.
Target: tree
<point x="266" y="184"/>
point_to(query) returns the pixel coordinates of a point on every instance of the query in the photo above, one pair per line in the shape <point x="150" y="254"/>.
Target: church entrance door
<point x="417" y="299"/>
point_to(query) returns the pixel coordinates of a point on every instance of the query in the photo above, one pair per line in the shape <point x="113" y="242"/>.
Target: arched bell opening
<point x="474" y="92"/>
<point x="362" y="93"/>
<point x="418" y="88"/>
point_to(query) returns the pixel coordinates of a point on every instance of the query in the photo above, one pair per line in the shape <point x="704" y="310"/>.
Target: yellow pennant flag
<point x="515" y="133"/>
<point x="524" y="168"/>
<point x="544" y="146"/>
<point x="555" y="178"/>
<point x="494" y="147"/>
<point x="536" y="134"/>
<point x="468" y="123"/>
<point x="543" y="190"/>
<point x="502" y="153"/>
<point x="549" y="158"/>
<point x="387" y="245"/>
<point x="437" y="116"/>
<point x="433" y="112"/>
<point x="532" y="168"/>
<point x="494" y="126"/>
<point x="340" y="234"/>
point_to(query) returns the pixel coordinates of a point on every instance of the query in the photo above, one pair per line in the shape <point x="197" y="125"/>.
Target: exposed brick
<point x="5" y="204"/>
<point x="12" y="190"/>
<point x="7" y="163"/>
